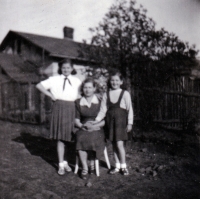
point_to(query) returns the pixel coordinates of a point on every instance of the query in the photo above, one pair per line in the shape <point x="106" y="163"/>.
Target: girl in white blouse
<point x="63" y="90"/>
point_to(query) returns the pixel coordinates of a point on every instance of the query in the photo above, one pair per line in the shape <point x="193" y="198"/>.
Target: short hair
<point x="88" y="80"/>
<point x="63" y="61"/>
<point x="116" y="73"/>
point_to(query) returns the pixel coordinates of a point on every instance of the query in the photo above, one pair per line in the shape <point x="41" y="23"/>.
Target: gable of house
<point x="15" y="69"/>
<point x="54" y="47"/>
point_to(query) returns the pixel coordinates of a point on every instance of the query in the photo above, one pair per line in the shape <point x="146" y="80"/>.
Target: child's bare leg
<point x="122" y="155"/>
<point x="63" y="165"/>
<point x="83" y="157"/>
<point x="61" y="151"/>
<point x="115" y="151"/>
<point x="116" y="157"/>
<point x="121" y="150"/>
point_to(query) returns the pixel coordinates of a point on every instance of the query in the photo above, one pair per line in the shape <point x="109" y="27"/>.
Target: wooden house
<point x="25" y="59"/>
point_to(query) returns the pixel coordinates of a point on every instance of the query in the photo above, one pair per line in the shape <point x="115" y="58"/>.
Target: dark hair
<point x="88" y="80"/>
<point x="116" y="73"/>
<point x="63" y="61"/>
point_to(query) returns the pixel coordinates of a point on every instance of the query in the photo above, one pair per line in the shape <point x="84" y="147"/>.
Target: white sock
<point x="61" y="164"/>
<point x="65" y="162"/>
<point x="117" y="165"/>
<point x="123" y="166"/>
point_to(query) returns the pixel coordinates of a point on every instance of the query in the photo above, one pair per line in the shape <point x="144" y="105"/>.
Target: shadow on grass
<point x="46" y="148"/>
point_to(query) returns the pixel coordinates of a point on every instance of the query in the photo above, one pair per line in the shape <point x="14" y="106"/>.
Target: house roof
<point x="17" y="69"/>
<point x="63" y="48"/>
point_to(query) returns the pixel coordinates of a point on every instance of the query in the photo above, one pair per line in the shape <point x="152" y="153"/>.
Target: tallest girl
<point x="63" y="90"/>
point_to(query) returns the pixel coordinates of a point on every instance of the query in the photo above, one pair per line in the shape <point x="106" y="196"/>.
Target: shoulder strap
<point x="120" y="97"/>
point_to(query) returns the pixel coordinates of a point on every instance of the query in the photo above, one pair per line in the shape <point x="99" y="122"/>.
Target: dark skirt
<point x="91" y="141"/>
<point x="62" y="120"/>
<point x="116" y="123"/>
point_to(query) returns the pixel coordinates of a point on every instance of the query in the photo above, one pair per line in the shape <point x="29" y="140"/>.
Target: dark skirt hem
<point x="91" y="141"/>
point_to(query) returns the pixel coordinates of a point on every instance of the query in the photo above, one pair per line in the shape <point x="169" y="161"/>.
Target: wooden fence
<point x="175" y="106"/>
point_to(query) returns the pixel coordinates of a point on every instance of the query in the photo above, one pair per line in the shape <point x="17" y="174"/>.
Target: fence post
<point x="42" y="108"/>
<point x="29" y="96"/>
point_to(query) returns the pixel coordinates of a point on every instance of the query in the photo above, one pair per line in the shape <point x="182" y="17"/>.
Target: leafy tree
<point x="126" y="36"/>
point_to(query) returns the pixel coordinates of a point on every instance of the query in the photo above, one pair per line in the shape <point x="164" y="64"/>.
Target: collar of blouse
<point x="84" y="102"/>
<point x="63" y="76"/>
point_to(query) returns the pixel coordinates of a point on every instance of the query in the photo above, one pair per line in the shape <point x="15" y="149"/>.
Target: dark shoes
<point x="124" y="171"/>
<point x="84" y="174"/>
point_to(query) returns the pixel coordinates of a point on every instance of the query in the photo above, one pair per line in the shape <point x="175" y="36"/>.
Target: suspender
<point x="120" y="97"/>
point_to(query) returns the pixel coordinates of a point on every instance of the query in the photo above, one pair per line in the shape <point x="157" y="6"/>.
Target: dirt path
<point x="160" y="170"/>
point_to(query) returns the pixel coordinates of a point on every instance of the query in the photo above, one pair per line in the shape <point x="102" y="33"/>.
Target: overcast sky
<point x="48" y="17"/>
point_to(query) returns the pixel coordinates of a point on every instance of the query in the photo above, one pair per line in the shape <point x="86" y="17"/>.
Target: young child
<point x="116" y="107"/>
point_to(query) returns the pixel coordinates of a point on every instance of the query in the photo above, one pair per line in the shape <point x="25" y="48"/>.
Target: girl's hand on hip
<point x="129" y="128"/>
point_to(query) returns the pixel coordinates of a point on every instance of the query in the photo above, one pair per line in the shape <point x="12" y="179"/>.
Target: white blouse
<point x="114" y="96"/>
<point x="55" y="85"/>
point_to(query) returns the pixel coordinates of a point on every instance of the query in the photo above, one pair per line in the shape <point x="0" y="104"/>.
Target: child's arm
<point x="100" y="124"/>
<point x="42" y="89"/>
<point x="103" y="109"/>
<point x="94" y="124"/>
<point x="97" y="126"/>
<point x="130" y="111"/>
<point x="88" y="126"/>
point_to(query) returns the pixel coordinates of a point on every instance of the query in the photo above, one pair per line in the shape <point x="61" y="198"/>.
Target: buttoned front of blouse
<point x="55" y="85"/>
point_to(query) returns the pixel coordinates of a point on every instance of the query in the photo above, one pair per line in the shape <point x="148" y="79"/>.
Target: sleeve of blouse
<point x="103" y="108"/>
<point x="77" y="110"/>
<point x="47" y="83"/>
<point x="129" y="107"/>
